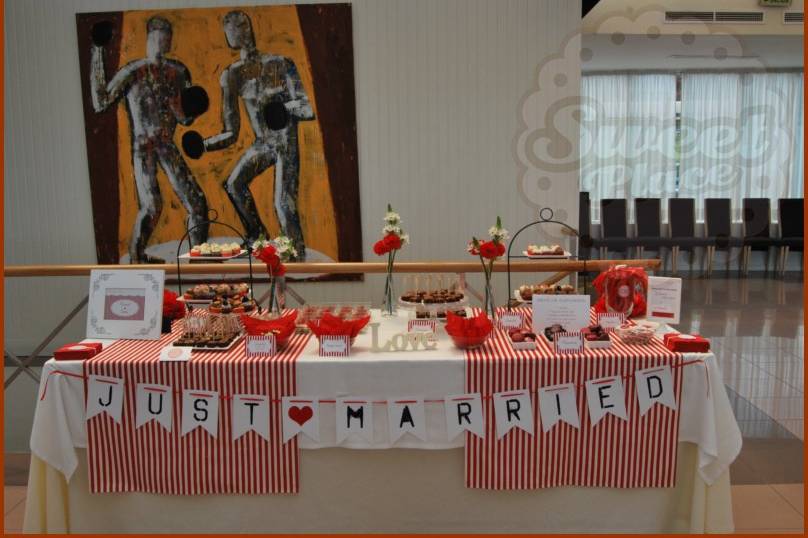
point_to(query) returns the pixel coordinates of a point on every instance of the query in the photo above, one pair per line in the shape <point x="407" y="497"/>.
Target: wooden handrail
<point x="539" y="266"/>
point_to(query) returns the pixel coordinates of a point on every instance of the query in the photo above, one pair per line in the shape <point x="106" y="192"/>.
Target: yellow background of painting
<point x="199" y="43"/>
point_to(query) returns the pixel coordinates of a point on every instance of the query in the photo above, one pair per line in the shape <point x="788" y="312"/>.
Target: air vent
<point x="739" y="16"/>
<point x="793" y="17"/>
<point x="688" y="16"/>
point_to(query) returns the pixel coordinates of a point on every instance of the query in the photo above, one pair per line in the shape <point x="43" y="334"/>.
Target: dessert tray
<point x="210" y="332"/>
<point x="213" y="252"/>
<point x="545" y="252"/>
<point x="207" y="293"/>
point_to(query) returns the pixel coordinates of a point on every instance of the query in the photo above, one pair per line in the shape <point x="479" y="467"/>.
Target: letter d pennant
<point x="655" y="385"/>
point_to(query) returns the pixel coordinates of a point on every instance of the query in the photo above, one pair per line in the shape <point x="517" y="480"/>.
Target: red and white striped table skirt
<point x="150" y="459"/>
<point x="637" y="453"/>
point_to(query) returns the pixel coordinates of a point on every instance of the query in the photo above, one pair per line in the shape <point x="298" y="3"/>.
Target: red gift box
<point x="686" y="343"/>
<point x="77" y="351"/>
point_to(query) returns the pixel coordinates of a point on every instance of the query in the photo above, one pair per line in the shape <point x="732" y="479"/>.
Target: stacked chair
<point x="757" y="216"/>
<point x="790" y="215"/>
<point x="682" y="221"/>
<point x="756" y="234"/>
<point x="718" y="229"/>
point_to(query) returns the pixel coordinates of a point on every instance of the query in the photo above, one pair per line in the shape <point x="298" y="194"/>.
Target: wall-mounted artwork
<point x="249" y="112"/>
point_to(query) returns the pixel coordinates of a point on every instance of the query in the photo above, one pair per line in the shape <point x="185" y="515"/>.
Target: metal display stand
<point x="545" y="217"/>
<point x="213" y="219"/>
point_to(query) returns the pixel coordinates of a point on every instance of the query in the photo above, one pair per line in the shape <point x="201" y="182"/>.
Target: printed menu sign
<point x="664" y="299"/>
<point x="569" y="311"/>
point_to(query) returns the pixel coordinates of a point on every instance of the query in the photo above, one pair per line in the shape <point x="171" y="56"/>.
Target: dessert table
<point x="409" y="485"/>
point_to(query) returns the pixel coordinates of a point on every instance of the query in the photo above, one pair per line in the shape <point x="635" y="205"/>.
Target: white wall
<point x="621" y="16"/>
<point x="439" y="90"/>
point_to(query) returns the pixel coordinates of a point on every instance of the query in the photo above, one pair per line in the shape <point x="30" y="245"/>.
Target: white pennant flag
<point x="406" y="415"/>
<point x="105" y="394"/>
<point x="606" y="395"/>
<point x="250" y="412"/>
<point x="200" y="408"/>
<point x="464" y="412"/>
<point x="354" y="415"/>
<point x="513" y="409"/>
<point x="655" y="385"/>
<point x="558" y="402"/>
<point x="153" y="402"/>
<point x="300" y="415"/>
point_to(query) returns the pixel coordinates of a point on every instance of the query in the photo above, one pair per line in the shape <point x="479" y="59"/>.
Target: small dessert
<point x="552" y="330"/>
<point x="596" y="337"/>
<point x="635" y="335"/>
<point x="522" y="339"/>
<point x="196" y="252"/>
<point x="545" y="250"/>
<point x="227" y="251"/>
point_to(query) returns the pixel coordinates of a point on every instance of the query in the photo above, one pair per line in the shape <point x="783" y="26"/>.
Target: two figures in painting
<point x="158" y="93"/>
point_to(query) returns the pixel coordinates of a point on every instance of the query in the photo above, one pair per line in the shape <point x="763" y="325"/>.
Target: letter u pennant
<point x="153" y="402"/>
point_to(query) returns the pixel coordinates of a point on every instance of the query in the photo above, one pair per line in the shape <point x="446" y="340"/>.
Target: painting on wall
<point x="244" y="114"/>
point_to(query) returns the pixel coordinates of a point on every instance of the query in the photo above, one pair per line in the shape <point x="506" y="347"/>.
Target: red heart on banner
<point x="301" y="415"/>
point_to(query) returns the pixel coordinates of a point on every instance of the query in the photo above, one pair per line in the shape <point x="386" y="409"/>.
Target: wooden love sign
<point x="403" y="341"/>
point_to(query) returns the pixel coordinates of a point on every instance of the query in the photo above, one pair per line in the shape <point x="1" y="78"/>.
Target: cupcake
<point x="227" y="251"/>
<point x="215" y="250"/>
<point x="204" y="249"/>
<point x="195" y="251"/>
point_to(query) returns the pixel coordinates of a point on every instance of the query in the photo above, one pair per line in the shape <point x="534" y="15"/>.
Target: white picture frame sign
<point x="125" y="303"/>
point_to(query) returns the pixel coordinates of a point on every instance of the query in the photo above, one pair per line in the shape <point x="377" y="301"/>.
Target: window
<point x="697" y="135"/>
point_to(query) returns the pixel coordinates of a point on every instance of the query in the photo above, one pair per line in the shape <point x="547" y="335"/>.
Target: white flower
<point x="258" y="244"/>
<point x="391" y="217"/>
<point x="498" y="233"/>
<point x="405" y="238"/>
<point x="392" y="229"/>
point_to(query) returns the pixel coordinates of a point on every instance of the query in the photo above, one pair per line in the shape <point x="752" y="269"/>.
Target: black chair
<point x="757" y="217"/>
<point x="682" y="221"/>
<point x="648" y="225"/>
<point x="718" y="229"/>
<point x="585" y="241"/>
<point x="791" y="215"/>
<point x="613" y="227"/>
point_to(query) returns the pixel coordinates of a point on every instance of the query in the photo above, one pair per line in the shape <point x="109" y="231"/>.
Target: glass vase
<point x="389" y="306"/>
<point x="276" y="295"/>
<point x="489" y="306"/>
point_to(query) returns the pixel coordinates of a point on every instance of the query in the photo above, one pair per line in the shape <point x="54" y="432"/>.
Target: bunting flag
<point x="354" y="416"/>
<point x="638" y="451"/>
<point x="513" y="410"/>
<point x="300" y="415"/>
<point x="154" y="402"/>
<point x="105" y="395"/>
<point x="406" y="415"/>
<point x="606" y="396"/>
<point x="193" y="445"/>
<point x="464" y="412"/>
<point x="558" y="402"/>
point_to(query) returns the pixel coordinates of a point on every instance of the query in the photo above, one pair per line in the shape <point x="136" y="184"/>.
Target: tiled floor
<point x="756" y="329"/>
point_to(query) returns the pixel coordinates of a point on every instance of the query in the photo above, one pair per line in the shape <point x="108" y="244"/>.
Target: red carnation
<point x="172" y="308"/>
<point x="380" y="248"/>
<point x="500" y="249"/>
<point x="489" y="250"/>
<point x="267" y="254"/>
<point x="392" y="241"/>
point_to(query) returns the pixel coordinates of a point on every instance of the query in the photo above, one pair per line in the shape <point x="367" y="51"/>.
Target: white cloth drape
<point x="741" y="137"/>
<point x="628" y="134"/>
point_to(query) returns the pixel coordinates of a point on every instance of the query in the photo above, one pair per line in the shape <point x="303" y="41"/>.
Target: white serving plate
<point x="597" y="344"/>
<point x="523" y="345"/>
<point x="202" y="259"/>
<point x="547" y="256"/>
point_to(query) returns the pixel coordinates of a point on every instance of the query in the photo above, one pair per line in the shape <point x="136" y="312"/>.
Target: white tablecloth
<point x="706" y="418"/>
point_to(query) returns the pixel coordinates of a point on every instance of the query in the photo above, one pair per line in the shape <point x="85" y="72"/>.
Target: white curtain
<point x="741" y="137"/>
<point x="628" y="131"/>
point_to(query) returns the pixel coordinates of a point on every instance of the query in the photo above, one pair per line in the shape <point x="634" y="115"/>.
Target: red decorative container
<point x="78" y="351"/>
<point x="686" y="343"/>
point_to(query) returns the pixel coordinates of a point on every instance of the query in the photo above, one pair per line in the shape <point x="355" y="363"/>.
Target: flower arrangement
<point x="274" y="253"/>
<point x="173" y="309"/>
<point x="392" y="241"/>
<point x="488" y="252"/>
